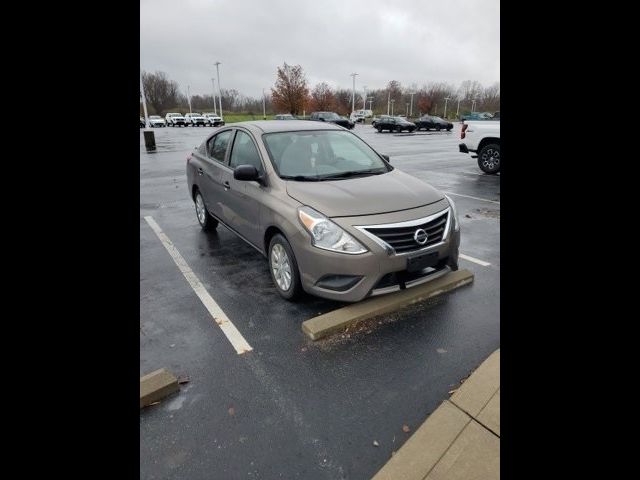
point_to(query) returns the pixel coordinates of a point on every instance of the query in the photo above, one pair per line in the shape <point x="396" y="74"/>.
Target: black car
<point x="428" y="122"/>
<point x="332" y="117"/>
<point x="394" y="124"/>
<point x="377" y="119"/>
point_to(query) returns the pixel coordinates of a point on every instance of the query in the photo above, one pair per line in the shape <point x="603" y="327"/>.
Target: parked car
<point x="482" y="137"/>
<point x="284" y="116"/>
<point x="377" y="119"/>
<point x="141" y="122"/>
<point x="175" y="120"/>
<point x="477" y="116"/>
<point x="196" y="120"/>
<point x="394" y="124"/>
<point x="157" y="121"/>
<point x="332" y="117"/>
<point x="357" y="117"/>
<point x="332" y="216"/>
<point x="428" y="122"/>
<point x="213" y="119"/>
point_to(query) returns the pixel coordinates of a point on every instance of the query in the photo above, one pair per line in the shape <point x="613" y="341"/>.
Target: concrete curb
<point x="337" y="320"/>
<point x="452" y="443"/>
<point x="156" y="385"/>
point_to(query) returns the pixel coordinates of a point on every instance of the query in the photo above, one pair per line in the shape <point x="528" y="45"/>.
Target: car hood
<point x="390" y="192"/>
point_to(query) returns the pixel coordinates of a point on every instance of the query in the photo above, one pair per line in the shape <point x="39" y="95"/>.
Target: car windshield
<point x="438" y="118"/>
<point x="330" y="116"/>
<point x="322" y="155"/>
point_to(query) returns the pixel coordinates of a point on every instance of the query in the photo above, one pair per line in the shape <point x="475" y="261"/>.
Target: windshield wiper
<point x="353" y="174"/>
<point x="300" y="178"/>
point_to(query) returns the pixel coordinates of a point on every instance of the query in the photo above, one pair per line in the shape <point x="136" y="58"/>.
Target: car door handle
<point x="200" y="171"/>
<point x="226" y="185"/>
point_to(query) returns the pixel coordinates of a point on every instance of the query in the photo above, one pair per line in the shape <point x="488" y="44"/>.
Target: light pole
<point x="411" y="111"/>
<point x="364" y="99"/>
<point x="353" y="95"/>
<point x="458" y="109"/>
<point x="446" y="99"/>
<point x="264" y="111"/>
<point x="406" y="111"/>
<point x="149" y="136"/>
<point x="436" y="109"/>
<point x="217" y="64"/>
<point x="215" y="109"/>
<point x="392" y="102"/>
<point x="388" y="101"/>
<point x="473" y="105"/>
<point x="144" y="102"/>
<point x="370" y="101"/>
<point x="189" y="97"/>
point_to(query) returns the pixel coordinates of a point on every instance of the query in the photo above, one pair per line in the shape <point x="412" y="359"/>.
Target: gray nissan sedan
<point x="332" y="216"/>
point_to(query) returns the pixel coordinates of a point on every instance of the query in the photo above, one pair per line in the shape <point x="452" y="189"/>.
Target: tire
<point x="438" y="128"/>
<point x="379" y="129"/>
<point x="287" y="269"/>
<point x="206" y="221"/>
<point x="489" y="158"/>
<point x="449" y="129"/>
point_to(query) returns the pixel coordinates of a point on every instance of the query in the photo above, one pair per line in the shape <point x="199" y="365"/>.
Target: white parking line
<point x="227" y="327"/>
<point x="469" y="196"/>
<point x="474" y="260"/>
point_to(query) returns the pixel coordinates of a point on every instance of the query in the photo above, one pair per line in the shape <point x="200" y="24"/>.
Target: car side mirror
<point x="386" y="157"/>
<point x="247" y="173"/>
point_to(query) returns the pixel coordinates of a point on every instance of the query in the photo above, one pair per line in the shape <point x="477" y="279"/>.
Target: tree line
<point x="292" y="93"/>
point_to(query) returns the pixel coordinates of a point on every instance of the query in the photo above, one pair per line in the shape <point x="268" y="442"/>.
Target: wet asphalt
<point x="293" y="408"/>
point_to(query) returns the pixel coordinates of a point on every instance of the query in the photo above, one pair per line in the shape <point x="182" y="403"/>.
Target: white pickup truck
<point x="483" y="138"/>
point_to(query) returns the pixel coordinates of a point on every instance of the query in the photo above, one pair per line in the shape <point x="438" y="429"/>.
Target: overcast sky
<point x="412" y="41"/>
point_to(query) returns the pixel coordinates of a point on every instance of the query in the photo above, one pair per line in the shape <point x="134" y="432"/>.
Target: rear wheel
<point x="284" y="268"/>
<point x="489" y="158"/>
<point x="206" y="221"/>
<point x="438" y="128"/>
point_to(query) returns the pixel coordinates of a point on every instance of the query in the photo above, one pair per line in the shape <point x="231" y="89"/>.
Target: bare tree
<point x="290" y="91"/>
<point x="343" y="101"/>
<point x="161" y="92"/>
<point x="490" y="98"/>
<point x="322" y="97"/>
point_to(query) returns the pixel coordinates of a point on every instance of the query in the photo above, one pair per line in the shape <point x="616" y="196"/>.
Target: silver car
<point x="332" y="216"/>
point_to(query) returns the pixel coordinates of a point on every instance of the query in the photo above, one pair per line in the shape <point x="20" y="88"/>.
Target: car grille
<point x="401" y="238"/>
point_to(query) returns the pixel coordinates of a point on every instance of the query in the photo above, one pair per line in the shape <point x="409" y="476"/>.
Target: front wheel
<point x="284" y="268"/>
<point x="489" y="158"/>
<point x="206" y="221"/>
<point x="379" y="129"/>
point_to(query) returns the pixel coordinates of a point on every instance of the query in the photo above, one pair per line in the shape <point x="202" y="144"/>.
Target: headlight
<point x="327" y="235"/>
<point x="456" y="223"/>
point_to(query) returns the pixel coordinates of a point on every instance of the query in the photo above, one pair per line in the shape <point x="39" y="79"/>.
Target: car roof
<point x="269" y="126"/>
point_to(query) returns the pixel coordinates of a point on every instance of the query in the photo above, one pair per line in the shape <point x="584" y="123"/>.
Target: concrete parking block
<point x="426" y="446"/>
<point x="490" y="415"/>
<point x="337" y="320"/>
<point x="478" y="389"/>
<point x="156" y="385"/>
<point x="475" y="455"/>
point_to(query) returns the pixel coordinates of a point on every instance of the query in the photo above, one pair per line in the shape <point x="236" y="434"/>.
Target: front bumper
<point x="351" y="278"/>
